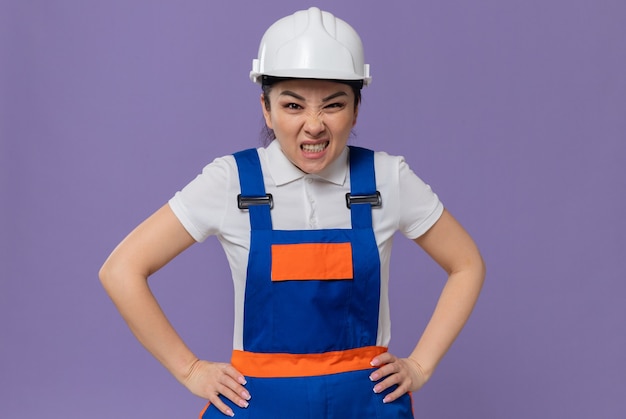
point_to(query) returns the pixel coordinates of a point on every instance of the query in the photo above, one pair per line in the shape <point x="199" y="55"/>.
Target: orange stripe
<point x="263" y="365"/>
<point x="204" y="410"/>
<point x="311" y="261"/>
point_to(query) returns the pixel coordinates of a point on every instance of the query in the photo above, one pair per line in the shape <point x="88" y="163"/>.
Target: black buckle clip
<point x="374" y="199"/>
<point x="245" y="202"/>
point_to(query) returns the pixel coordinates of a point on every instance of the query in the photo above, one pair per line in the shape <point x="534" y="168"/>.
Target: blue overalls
<point x="311" y="309"/>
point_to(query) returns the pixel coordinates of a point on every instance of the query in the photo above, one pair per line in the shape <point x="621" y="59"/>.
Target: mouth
<point x="314" y="148"/>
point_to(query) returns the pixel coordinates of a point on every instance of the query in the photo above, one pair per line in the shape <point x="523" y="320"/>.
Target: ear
<point x="266" y="112"/>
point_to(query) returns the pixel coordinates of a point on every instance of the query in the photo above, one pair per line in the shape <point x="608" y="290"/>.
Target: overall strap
<point x="253" y="196"/>
<point x="363" y="195"/>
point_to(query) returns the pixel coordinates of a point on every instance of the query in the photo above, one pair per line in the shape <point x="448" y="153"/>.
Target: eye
<point x="292" y="106"/>
<point x="335" y="106"/>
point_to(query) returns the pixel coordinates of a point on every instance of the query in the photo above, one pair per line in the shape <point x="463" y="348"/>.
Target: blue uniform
<point x="311" y="309"/>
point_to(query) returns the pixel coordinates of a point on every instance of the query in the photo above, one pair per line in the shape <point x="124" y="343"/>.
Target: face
<point x="312" y="120"/>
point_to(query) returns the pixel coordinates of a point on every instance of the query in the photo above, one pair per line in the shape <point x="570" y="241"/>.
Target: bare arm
<point x="124" y="276"/>
<point x="455" y="251"/>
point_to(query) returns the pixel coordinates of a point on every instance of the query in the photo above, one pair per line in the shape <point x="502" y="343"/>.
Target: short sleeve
<point x="420" y="207"/>
<point x="201" y="205"/>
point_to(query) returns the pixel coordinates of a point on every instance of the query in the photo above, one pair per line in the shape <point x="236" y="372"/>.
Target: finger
<point x="234" y="392"/>
<point x="389" y="381"/>
<point x="221" y="406"/>
<point x="396" y="394"/>
<point x="229" y="382"/>
<point x="384" y="371"/>
<point x="235" y="375"/>
<point x="382" y="359"/>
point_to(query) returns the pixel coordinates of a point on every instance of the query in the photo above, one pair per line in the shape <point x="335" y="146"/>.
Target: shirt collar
<point x="284" y="171"/>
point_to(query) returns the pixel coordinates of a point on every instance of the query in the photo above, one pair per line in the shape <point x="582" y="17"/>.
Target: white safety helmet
<point x="311" y="44"/>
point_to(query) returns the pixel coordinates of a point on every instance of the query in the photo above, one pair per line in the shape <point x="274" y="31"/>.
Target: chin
<point x="312" y="168"/>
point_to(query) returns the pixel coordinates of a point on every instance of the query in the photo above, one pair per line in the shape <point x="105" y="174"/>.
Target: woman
<point x="307" y="225"/>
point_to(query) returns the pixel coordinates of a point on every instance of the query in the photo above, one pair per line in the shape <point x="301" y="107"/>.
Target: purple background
<point x="514" y="111"/>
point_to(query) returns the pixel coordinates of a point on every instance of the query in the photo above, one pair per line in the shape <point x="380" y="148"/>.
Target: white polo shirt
<point x="208" y="206"/>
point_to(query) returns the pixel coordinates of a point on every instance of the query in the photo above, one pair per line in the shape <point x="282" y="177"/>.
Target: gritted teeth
<point x="314" y="148"/>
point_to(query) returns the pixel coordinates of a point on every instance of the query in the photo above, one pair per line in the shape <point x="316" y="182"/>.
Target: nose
<point x="314" y="123"/>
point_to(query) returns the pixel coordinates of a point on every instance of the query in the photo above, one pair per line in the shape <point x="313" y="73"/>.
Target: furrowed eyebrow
<point x="333" y="96"/>
<point x="326" y="99"/>
<point x="292" y="94"/>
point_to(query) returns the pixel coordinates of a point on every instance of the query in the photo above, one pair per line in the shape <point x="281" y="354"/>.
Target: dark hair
<point x="268" y="82"/>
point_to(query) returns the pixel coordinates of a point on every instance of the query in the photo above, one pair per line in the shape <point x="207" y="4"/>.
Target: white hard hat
<point x="311" y="44"/>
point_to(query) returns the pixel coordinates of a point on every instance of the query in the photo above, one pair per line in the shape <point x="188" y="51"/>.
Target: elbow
<point x="476" y="265"/>
<point x="117" y="276"/>
<point x="112" y="274"/>
<point x="480" y="271"/>
<point x="482" y="267"/>
<point x="105" y="276"/>
<point x="474" y="269"/>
